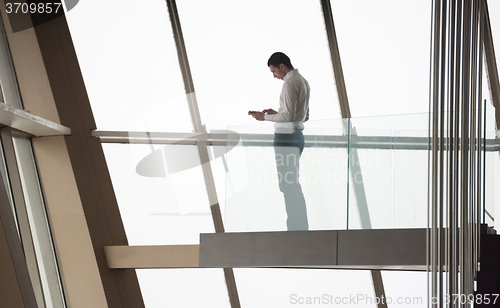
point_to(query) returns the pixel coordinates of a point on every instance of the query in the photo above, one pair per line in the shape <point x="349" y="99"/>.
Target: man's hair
<point x="278" y="58"/>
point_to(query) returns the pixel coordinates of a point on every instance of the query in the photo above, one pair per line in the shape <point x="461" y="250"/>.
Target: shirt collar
<point x="291" y="72"/>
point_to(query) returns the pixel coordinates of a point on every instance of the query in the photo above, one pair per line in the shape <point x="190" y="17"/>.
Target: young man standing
<point x="288" y="138"/>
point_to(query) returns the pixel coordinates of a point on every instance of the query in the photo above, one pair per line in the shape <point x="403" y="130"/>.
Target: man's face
<point x="277" y="71"/>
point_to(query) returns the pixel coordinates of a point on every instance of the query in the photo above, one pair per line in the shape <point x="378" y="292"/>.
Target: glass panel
<point x="129" y="63"/>
<point x="183" y="288"/>
<point x="228" y="45"/>
<point x="384" y="47"/>
<point x="491" y="158"/>
<point x="388" y="178"/>
<point x="496" y="206"/>
<point x="492" y="178"/>
<point x="159" y="205"/>
<point x="370" y="179"/>
<point x="254" y="198"/>
<point x="386" y="186"/>
<point x="410" y="178"/>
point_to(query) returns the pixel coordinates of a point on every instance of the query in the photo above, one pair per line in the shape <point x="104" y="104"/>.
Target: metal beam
<point x="357" y="249"/>
<point x="263" y="140"/>
<point x="158" y="256"/>
<point x="335" y="56"/>
<point x="202" y="145"/>
<point x="160" y="137"/>
<point x="346" y="114"/>
<point x="31" y="124"/>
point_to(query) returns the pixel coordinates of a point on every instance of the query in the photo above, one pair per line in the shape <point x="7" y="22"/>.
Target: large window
<point x="131" y="70"/>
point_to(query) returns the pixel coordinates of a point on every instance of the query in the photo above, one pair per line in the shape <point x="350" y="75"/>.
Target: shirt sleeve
<point x="288" y="105"/>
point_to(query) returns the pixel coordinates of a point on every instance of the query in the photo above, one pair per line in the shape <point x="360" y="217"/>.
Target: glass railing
<point x="358" y="173"/>
<point x="491" y="178"/>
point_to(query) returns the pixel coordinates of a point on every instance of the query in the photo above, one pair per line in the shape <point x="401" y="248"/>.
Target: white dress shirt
<point x="294" y="104"/>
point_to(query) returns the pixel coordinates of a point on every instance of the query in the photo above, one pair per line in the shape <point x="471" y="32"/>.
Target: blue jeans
<point x="287" y="150"/>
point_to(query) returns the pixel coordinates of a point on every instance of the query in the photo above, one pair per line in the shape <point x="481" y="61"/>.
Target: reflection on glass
<point x="355" y="174"/>
<point x="491" y="180"/>
<point x="254" y="200"/>
<point x="158" y="207"/>
<point x="391" y="172"/>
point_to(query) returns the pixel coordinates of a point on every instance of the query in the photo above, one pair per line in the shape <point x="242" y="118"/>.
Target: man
<point x="288" y="138"/>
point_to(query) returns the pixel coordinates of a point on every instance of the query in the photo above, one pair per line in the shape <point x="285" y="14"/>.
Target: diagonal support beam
<point x="173" y="256"/>
<point x="24" y="121"/>
<point x="202" y="145"/>
<point x="354" y="167"/>
<point x="335" y="56"/>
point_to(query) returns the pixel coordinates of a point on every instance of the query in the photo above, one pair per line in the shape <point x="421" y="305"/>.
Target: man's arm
<point x="288" y="105"/>
<point x="260" y="116"/>
<point x="270" y="111"/>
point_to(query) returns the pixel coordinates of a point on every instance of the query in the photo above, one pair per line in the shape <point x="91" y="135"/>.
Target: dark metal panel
<point x="268" y="249"/>
<point x="356" y="249"/>
<point x="382" y="247"/>
<point x="488" y="277"/>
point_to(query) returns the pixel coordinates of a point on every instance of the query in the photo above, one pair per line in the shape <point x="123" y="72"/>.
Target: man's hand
<point x="269" y="111"/>
<point x="259" y="116"/>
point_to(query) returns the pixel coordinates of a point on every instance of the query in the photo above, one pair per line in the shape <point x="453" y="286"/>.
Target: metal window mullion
<point x="436" y="44"/>
<point x="471" y="146"/>
<point x="476" y="114"/>
<point x="479" y="132"/>
<point x="441" y="147"/>
<point x="465" y="157"/>
<point x="22" y="293"/>
<point x="464" y="151"/>
<point x="40" y="228"/>
<point x="457" y="149"/>
<point x="335" y="57"/>
<point x="354" y="166"/>
<point x="202" y="145"/>
<point x="450" y="148"/>
<point x="22" y="214"/>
